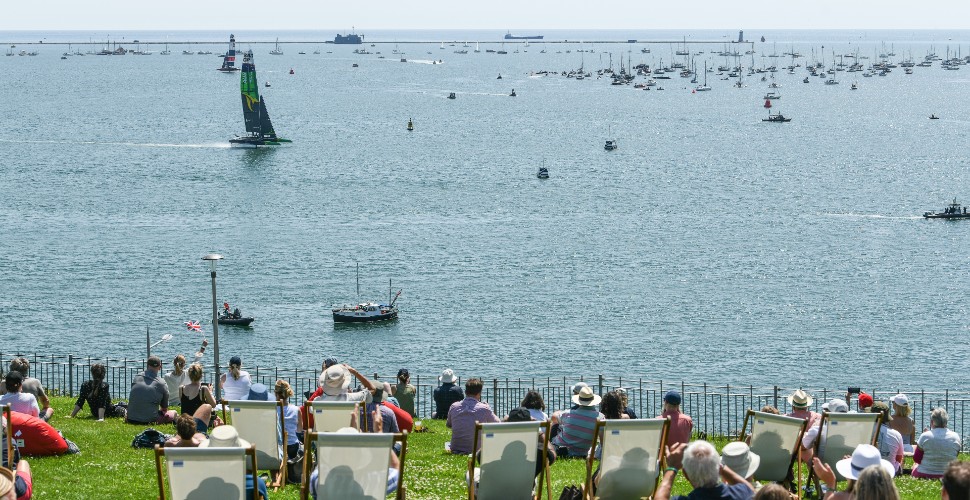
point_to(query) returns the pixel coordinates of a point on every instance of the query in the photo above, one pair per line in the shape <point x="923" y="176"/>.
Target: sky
<point x="335" y="15"/>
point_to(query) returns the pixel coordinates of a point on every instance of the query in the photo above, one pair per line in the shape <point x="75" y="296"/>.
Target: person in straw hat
<point x="446" y="394"/>
<point x="800" y="402"/>
<point x="226" y="436"/>
<point x="572" y="434"/>
<point x="335" y="382"/>
<point x="16" y="485"/>
<point x="869" y="476"/>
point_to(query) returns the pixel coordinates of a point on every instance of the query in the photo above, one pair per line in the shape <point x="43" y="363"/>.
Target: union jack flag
<point x="193" y="326"/>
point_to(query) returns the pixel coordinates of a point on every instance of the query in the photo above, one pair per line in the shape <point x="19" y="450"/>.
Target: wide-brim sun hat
<point x="738" y="457"/>
<point x="335" y="380"/>
<point x="258" y="392"/>
<point x="224" y="436"/>
<point x="800" y="399"/>
<point x="6" y="481"/>
<point x="448" y="376"/>
<point x="586" y="397"/>
<point x="865" y="455"/>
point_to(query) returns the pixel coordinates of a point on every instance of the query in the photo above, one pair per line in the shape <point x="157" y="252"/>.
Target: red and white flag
<point x="193" y="326"/>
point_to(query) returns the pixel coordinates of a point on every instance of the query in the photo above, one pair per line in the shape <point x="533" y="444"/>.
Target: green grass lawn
<point x="108" y="467"/>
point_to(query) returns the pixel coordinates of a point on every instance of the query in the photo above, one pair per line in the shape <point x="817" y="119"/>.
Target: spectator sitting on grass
<point x="388" y="418"/>
<point x="292" y="422"/>
<point x="869" y="477"/>
<point x="337" y="484"/>
<point x="194" y="395"/>
<point x="533" y="402"/>
<point x="187" y="434"/>
<point x="97" y="394"/>
<point x="890" y="441"/>
<point x="335" y="385"/>
<point x="178" y="377"/>
<point x="902" y="423"/>
<point x="625" y="403"/>
<point x="612" y="407"/>
<point x="446" y="394"/>
<point x="681" y="425"/>
<point x="16" y="485"/>
<point x="463" y="415"/>
<point x="404" y="392"/>
<point x="235" y="384"/>
<point x="935" y="447"/>
<point x="148" y="399"/>
<point x="19" y="401"/>
<point x="703" y="470"/>
<point x="573" y="434"/>
<point x="226" y="436"/>
<point x="800" y="402"/>
<point x="808" y="440"/>
<point x="956" y="481"/>
<point x="32" y="386"/>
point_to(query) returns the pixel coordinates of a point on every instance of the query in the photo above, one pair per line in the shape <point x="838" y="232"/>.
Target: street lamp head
<point x="212" y="258"/>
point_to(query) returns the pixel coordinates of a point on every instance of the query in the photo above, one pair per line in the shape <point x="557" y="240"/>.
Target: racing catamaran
<point x="229" y="60"/>
<point x="258" y="125"/>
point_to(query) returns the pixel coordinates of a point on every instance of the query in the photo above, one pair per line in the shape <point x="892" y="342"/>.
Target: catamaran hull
<point x="253" y="143"/>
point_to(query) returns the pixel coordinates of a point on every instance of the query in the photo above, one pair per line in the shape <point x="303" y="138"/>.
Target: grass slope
<point x="108" y="467"/>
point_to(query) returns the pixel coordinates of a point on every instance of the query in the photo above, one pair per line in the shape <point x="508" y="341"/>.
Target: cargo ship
<point x="510" y="36"/>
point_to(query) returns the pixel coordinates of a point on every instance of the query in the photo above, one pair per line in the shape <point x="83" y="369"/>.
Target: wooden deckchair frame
<point x="7" y="414"/>
<point x="795" y="453"/>
<point x="600" y="427"/>
<point x="542" y="455"/>
<point x="398" y="438"/>
<point x="812" y="477"/>
<point x="279" y="475"/>
<point x="159" y="452"/>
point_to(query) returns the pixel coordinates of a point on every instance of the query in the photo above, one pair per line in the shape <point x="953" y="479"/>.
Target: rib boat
<point x="952" y="211"/>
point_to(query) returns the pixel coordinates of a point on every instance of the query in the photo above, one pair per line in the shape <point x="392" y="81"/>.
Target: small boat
<point x="366" y="312"/>
<point x="355" y="65"/>
<point x="543" y="173"/>
<point x="934" y="117"/>
<point x="291" y="71"/>
<point x="266" y="84"/>
<point x="235" y="319"/>
<point x="776" y="118"/>
<point x="512" y="94"/>
<point x="229" y="59"/>
<point x="452" y="96"/>
<point x="854" y="86"/>
<point x="277" y="51"/>
<point x="952" y="211"/>
<point x="410" y="125"/>
<point x="499" y="76"/>
<point x="805" y="80"/>
<point x="258" y="125"/>
<point x="610" y="145"/>
<point x="302" y="52"/>
<point x="772" y="95"/>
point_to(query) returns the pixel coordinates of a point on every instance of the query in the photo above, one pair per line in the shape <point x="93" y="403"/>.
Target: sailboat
<point x="610" y="143"/>
<point x="478" y="47"/>
<point x="366" y="312"/>
<point x="277" y="51"/>
<point x="258" y="124"/>
<point x="702" y="88"/>
<point x="229" y="60"/>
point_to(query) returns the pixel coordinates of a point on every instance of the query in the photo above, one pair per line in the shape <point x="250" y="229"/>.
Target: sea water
<point x="710" y="247"/>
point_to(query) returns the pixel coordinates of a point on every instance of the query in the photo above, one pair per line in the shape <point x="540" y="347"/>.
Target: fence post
<point x="495" y="393"/>
<point x="776" y="397"/>
<point x="599" y="389"/>
<point x="70" y="375"/>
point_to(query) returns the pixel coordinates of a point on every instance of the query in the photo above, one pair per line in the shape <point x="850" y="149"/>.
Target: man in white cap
<point x="574" y="431"/>
<point x="446" y="394"/>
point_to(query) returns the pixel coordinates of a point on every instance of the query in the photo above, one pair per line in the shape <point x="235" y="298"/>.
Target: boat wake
<point x="871" y="216"/>
<point x="213" y="145"/>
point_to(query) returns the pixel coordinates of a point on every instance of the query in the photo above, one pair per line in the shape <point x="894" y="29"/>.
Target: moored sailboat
<point x="258" y="124"/>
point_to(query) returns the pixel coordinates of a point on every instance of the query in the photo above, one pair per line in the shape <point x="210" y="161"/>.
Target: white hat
<point x="865" y="455"/>
<point x="836" y="406"/>
<point x="586" y="397"/>
<point x="737" y="456"/>
<point x="901" y="400"/>
<point x="335" y="380"/>
<point x="800" y="398"/>
<point x="224" y="436"/>
<point x="579" y="385"/>
<point x="7" y="481"/>
<point x="448" y="376"/>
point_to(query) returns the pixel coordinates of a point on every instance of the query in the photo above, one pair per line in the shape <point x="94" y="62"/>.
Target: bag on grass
<point x="571" y="492"/>
<point x="148" y="438"/>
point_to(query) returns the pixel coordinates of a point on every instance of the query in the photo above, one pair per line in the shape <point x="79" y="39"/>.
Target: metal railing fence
<point x="717" y="410"/>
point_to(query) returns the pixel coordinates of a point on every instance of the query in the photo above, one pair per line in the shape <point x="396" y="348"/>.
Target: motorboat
<point x="543" y="173"/>
<point x="235" y="319"/>
<point x="512" y="94"/>
<point x="776" y="118"/>
<point x="610" y="145"/>
<point x="772" y="95"/>
<point x="952" y="211"/>
<point x="364" y="312"/>
<point x="934" y="117"/>
<point x="452" y="96"/>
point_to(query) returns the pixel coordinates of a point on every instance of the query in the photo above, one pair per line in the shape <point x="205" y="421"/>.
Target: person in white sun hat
<point x="869" y="476"/>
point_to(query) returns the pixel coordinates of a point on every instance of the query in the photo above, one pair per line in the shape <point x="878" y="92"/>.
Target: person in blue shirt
<point x="703" y="469"/>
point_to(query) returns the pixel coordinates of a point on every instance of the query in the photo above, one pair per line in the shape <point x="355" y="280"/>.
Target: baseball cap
<point x="520" y="414"/>
<point x="672" y="397"/>
<point x="865" y="400"/>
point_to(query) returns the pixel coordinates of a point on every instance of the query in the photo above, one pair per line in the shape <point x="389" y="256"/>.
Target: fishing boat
<point x="543" y="173"/>
<point x="258" y="124"/>
<point x="952" y="211"/>
<point x="776" y="118"/>
<point x="277" y="51"/>
<point x="229" y="60"/>
<point x="366" y="312"/>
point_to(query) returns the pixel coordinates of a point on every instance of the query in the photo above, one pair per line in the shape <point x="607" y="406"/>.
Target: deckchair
<point x="777" y="440"/>
<point x="509" y="453"/>
<point x="354" y="466"/>
<point x="840" y="433"/>
<point x="8" y="455"/>
<point x="261" y="423"/>
<point x="631" y="458"/>
<point x="330" y="416"/>
<point x="205" y="473"/>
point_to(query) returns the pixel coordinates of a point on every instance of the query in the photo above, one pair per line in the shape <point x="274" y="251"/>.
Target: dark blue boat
<point x="351" y="39"/>
<point x="510" y="36"/>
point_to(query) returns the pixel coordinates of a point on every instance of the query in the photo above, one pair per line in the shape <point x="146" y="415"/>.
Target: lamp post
<point x="213" y="258"/>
